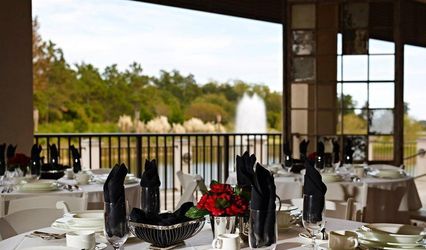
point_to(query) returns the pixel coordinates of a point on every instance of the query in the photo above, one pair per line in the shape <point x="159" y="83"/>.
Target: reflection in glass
<point x="355" y="95"/>
<point x="303" y="43"/>
<point x="381" y="148"/>
<point x="381" y="121"/>
<point x="355" y="121"/>
<point x="381" y="47"/>
<point x="355" y="15"/>
<point x="382" y="67"/>
<point x="359" y="145"/>
<point x="355" y="42"/>
<point x="355" y="68"/>
<point x="339" y="68"/>
<point x="381" y="95"/>
<point x="303" y="16"/>
<point x="303" y="69"/>
<point x="299" y="121"/>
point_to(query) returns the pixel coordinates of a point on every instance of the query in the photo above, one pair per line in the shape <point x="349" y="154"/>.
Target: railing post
<point x="138" y="156"/>
<point x="226" y="158"/>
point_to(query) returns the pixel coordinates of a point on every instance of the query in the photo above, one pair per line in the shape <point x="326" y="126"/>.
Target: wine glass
<point x="116" y="217"/>
<point x="313" y="216"/>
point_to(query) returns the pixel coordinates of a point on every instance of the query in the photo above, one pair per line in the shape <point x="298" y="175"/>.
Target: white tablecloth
<point x="287" y="239"/>
<point x="93" y="190"/>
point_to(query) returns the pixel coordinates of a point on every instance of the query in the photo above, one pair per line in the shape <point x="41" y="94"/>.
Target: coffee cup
<point x="285" y="219"/>
<point x="82" y="178"/>
<point x="84" y="239"/>
<point x="343" y="240"/>
<point x="227" y="241"/>
<point x="69" y="173"/>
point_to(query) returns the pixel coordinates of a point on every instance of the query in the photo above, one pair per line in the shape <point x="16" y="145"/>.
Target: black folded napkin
<point x="348" y="157"/>
<point x="288" y="159"/>
<point x="115" y="195"/>
<point x="314" y="186"/>
<point x="10" y="153"/>
<point x="245" y="170"/>
<point x="2" y="160"/>
<point x="150" y="176"/>
<point x="320" y="155"/>
<point x="76" y="164"/>
<point x="303" y="148"/>
<point x="262" y="206"/>
<point x="35" y="159"/>
<point x="163" y="219"/>
<point x="150" y="192"/>
<point x="54" y="154"/>
<point x="336" y="151"/>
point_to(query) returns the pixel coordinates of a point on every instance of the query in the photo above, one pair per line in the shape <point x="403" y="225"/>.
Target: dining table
<point x="94" y="191"/>
<point x="287" y="239"/>
<point x="290" y="186"/>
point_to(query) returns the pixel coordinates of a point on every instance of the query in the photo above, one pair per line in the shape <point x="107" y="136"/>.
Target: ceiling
<point x="413" y="14"/>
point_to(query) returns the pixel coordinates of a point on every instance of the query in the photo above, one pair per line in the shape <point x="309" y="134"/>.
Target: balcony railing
<point x="210" y="155"/>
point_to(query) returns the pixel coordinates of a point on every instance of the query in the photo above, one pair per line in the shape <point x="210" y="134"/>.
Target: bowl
<point x="165" y="236"/>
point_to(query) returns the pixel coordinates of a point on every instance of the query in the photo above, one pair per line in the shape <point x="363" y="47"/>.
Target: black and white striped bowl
<point x="164" y="236"/>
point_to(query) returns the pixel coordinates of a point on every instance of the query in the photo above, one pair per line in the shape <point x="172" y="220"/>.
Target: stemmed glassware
<point x="313" y="216"/>
<point x="116" y="229"/>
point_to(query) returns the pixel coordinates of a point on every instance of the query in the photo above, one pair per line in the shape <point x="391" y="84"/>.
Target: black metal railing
<point x="211" y="155"/>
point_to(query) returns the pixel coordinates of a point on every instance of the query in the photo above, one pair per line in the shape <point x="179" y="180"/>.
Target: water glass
<point x="263" y="231"/>
<point x="313" y="216"/>
<point x="116" y="217"/>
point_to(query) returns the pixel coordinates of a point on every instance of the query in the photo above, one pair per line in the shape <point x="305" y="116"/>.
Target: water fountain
<point x="251" y="118"/>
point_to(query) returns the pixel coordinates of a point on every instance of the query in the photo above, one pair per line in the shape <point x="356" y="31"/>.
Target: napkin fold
<point x="76" y="164"/>
<point x="115" y="195"/>
<point x="150" y="176"/>
<point x="314" y="186"/>
<point x="54" y="154"/>
<point x="35" y="159"/>
<point x="245" y="170"/>
<point x="288" y="159"/>
<point x="150" y="192"/>
<point x="348" y="157"/>
<point x="11" y="150"/>
<point x="303" y="148"/>
<point x="320" y="155"/>
<point x="336" y="151"/>
<point x="2" y="160"/>
<point x="262" y="206"/>
<point x="163" y="219"/>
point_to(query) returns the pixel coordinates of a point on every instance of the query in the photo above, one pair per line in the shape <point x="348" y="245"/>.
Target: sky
<point x="209" y="46"/>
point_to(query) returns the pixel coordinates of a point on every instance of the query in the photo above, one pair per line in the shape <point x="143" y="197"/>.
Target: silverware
<point x="47" y="236"/>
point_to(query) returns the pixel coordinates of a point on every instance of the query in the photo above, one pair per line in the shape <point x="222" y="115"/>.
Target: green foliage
<point x="195" y="213"/>
<point x="72" y="98"/>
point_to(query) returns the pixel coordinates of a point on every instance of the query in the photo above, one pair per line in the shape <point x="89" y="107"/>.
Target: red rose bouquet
<point x="221" y="200"/>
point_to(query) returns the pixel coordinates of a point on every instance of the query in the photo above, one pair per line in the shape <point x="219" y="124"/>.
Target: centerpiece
<point x="224" y="204"/>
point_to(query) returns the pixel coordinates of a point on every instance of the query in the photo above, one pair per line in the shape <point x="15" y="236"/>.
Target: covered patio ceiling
<point x="413" y="13"/>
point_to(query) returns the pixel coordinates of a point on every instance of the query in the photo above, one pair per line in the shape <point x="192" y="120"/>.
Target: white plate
<point x="331" y="177"/>
<point x="39" y="186"/>
<point x="388" y="173"/>
<point x="381" y="245"/>
<point x="392" y="233"/>
<point x="49" y="248"/>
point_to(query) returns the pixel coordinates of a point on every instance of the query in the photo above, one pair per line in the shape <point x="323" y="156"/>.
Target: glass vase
<point x="223" y="225"/>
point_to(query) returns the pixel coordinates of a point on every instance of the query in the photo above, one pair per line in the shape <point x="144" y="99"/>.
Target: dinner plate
<point x="50" y="248"/>
<point x="86" y="218"/>
<point x="381" y="245"/>
<point x="331" y="177"/>
<point x="387" y="173"/>
<point x="392" y="233"/>
<point x="39" y="186"/>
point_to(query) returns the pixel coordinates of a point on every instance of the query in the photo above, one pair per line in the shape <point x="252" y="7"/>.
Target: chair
<point x="333" y="209"/>
<point x="381" y="205"/>
<point x="47" y="201"/>
<point x="31" y="213"/>
<point x="190" y="183"/>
